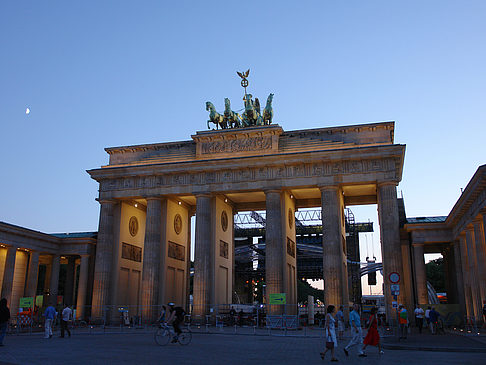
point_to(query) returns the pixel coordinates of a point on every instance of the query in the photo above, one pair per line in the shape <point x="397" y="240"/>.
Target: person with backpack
<point x="403" y="322"/>
<point x="176" y="317"/>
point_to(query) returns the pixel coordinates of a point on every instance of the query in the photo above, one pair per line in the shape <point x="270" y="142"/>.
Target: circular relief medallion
<point x="224" y="221"/>
<point x="133" y="226"/>
<point x="291" y="218"/>
<point x="177" y="223"/>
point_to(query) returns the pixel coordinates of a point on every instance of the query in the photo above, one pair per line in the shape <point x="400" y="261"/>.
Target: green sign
<point x="26" y="302"/>
<point x="39" y="301"/>
<point x="277" y="298"/>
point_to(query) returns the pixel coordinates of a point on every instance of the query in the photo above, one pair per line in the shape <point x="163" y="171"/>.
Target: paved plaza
<point x="205" y="349"/>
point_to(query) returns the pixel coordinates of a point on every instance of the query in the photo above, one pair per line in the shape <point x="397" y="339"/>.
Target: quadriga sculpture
<point x="231" y="118"/>
<point x="268" y="111"/>
<point x="215" y="117"/>
<point x="250" y="115"/>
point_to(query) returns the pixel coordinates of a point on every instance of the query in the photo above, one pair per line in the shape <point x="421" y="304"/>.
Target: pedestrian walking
<point x="427" y="317"/>
<point x="434" y="317"/>
<point x="403" y="322"/>
<point x="340" y="322"/>
<point x="357" y="339"/>
<point x="419" y="318"/>
<point x="373" y="337"/>
<point x="4" y="318"/>
<point x="50" y="314"/>
<point x="65" y="318"/>
<point x="330" y="331"/>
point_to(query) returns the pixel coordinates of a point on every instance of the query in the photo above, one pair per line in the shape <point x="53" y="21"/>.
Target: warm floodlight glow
<point x="136" y="205"/>
<point x="180" y="203"/>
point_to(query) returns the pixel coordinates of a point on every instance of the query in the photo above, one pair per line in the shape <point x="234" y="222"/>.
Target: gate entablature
<point x="369" y="160"/>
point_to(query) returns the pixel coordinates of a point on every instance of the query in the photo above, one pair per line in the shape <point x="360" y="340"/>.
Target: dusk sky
<point x="96" y="74"/>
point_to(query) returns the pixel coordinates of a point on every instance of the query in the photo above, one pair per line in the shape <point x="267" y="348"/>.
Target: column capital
<point x="273" y="190"/>
<point x="386" y="183"/>
<point x="469" y="228"/>
<point x="477" y="220"/>
<point x="418" y="244"/>
<point x="328" y="187"/>
<point x="148" y="198"/>
<point x="202" y="194"/>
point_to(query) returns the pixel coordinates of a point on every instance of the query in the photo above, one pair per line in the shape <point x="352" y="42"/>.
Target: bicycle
<point x="166" y="334"/>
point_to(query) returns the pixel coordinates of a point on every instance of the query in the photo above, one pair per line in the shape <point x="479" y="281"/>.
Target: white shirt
<point x="427" y="313"/>
<point x="66" y="314"/>
<point x="419" y="313"/>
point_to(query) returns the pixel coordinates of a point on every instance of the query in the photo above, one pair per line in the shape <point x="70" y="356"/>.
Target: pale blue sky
<point x="109" y="73"/>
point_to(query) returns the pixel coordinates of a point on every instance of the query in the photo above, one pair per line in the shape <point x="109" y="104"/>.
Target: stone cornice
<point x="39" y="241"/>
<point x="318" y="169"/>
<point x="470" y="203"/>
<point x="351" y="156"/>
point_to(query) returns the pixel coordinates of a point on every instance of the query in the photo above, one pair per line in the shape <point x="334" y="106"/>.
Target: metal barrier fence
<point x="234" y="319"/>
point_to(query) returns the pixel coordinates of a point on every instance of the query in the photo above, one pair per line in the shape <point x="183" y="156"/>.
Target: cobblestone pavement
<point x="204" y="349"/>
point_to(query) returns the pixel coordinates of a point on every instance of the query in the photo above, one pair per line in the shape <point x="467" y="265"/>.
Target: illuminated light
<point x="291" y="196"/>
<point x="180" y="203"/>
<point x="136" y="205"/>
<point x="225" y="200"/>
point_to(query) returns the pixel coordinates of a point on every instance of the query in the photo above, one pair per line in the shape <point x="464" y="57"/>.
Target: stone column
<point x="104" y="259"/>
<point x="332" y="246"/>
<point x="69" y="284"/>
<point x="390" y="241"/>
<point x="448" y="257"/>
<point x="82" y="286"/>
<point x="8" y="274"/>
<point x="204" y="253"/>
<point x="473" y="272"/>
<point x="54" y="284"/>
<point x="151" y="259"/>
<point x="460" y="295"/>
<point x="420" y="274"/>
<point x="481" y="257"/>
<point x="465" y="276"/>
<point x="274" y="259"/>
<point x="188" y="260"/>
<point x="32" y="274"/>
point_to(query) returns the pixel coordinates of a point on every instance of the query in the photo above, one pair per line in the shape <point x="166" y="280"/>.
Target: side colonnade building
<point x="30" y="263"/>
<point x="460" y="238"/>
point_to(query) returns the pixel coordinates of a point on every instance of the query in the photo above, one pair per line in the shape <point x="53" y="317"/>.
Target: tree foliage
<point x="304" y="289"/>
<point x="435" y="274"/>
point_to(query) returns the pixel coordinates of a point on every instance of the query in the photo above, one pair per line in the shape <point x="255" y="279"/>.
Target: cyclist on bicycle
<point x="162" y="315"/>
<point x="176" y="317"/>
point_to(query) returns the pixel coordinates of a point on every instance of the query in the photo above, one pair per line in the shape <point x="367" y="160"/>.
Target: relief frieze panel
<point x="301" y="170"/>
<point x="237" y="145"/>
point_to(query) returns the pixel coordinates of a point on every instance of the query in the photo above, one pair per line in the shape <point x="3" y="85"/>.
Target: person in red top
<point x="373" y="337"/>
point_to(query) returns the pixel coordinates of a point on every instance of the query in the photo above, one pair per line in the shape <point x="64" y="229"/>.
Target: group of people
<point x="432" y="319"/>
<point x="51" y="314"/>
<point x="372" y="337"/>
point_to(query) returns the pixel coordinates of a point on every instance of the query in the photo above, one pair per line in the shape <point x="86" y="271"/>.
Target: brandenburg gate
<point x="148" y="194"/>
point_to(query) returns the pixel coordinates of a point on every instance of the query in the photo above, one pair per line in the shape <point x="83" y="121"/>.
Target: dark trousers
<point x="65" y="327"/>
<point x="419" y="322"/>
<point x="3" y="331"/>
<point x="176" y="325"/>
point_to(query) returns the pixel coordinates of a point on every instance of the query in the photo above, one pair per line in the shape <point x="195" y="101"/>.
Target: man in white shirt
<point x="427" y="317"/>
<point x="419" y="318"/>
<point x="66" y="317"/>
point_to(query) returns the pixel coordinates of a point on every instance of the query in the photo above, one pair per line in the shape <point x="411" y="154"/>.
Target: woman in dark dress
<point x="4" y="317"/>
<point x="372" y="337"/>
